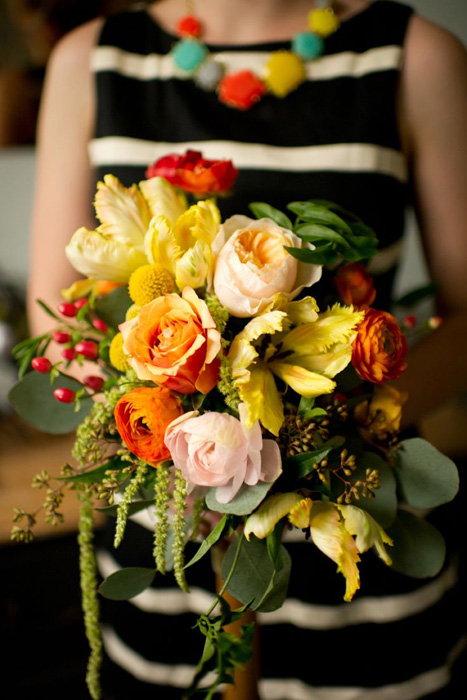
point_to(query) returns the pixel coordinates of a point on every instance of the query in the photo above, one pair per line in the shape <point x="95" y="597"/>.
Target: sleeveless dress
<point x="335" y="137"/>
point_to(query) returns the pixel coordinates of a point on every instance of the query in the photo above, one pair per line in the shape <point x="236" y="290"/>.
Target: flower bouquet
<point x="227" y="401"/>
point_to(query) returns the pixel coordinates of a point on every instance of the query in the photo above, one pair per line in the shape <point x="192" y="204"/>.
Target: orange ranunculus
<point x="380" y="348"/>
<point x="193" y="173"/>
<point x="173" y="341"/>
<point x="142" y="417"/>
<point x="355" y="285"/>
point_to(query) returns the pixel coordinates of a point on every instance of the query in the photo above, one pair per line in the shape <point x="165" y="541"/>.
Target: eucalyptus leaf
<point x="214" y="536"/>
<point x="127" y="583"/>
<point x="113" y="307"/>
<point x="261" y="210"/>
<point x="32" y="398"/>
<point x="247" y="499"/>
<point x="253" y="574"/>
<point x="419" y="548"/>
<point x="314" y="213"/>
<point x="426" y="477"/>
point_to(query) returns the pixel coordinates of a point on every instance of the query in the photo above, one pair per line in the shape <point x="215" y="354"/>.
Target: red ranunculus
<point x="193" y="173"/>
<point x="380" y="348"/>
<point x="355" y="285"/>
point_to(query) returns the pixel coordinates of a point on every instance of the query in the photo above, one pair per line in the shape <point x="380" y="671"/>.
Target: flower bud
<point x="61" y="337"/>
<point x="93" y="382"/>
<point x="87" y="348"/>
<point x="41" y="364"/>
<point x="64" y="395"/>
<point x="67" y="309"/>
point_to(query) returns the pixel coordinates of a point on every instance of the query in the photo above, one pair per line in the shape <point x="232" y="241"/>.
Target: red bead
<point x="94" y="383"/>
<point x="100" y="325"/>
<point x="68" y="353"/>
<point x="87" y="348"/>
<point x="61" y="337"/>
<point x="409" y="322"/>
<point x="67" y="309"/>
<point x="189" y="26"/>
<point x="79" y="303"/>
<point x="41" y="364"/>
<point x="241" y="90"/>
<point x="64" y="395"/>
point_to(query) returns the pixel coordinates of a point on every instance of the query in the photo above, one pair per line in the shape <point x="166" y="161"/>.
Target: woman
<point x="363" y="136"/>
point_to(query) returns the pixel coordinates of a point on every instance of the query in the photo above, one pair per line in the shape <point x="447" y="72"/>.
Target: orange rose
<point x="380" y="348"/>
<point x="355" y="285"/>
<point x="173" y="341"/>
<point x="142" y="417"/>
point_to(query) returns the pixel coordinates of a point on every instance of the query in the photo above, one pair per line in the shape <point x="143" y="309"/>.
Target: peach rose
<point x="173" y="341"/>
<point x="142" y="416"/>
<point x="355" y="285"/>
<point x="216" y="449"/>
<point x="380" y="348"/>
<point x="252" y="265"/>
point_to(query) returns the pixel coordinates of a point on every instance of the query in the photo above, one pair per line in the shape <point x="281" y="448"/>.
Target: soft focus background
<point x="39" y="597"/>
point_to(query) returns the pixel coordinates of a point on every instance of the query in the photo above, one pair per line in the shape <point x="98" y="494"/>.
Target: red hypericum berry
<point x="100" y="325"/>
<point x="79" y="303"/>
<point x="94" y="383"/>
<point x="61" y="337"/>
<point x="69" y="354"/>
<point x="67" y="309"/>
<point x="64" y="395"/>
<point x="409" y="322"/>
<point x="87" y="348"/>
<point x="41" y="364"/>
<point x="339" y="397"/>
<point x="434" y="322"/>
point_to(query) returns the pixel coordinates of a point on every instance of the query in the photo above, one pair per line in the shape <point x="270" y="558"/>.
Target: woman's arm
<point x="63" y="188"/>
<point x="433" y="115"/>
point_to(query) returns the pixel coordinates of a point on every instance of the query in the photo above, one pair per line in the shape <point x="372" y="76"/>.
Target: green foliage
<point x="415" y="296"/>
<point x="137" y="481"/>
<point x="214" y="536"/>
<point x="113" y="307"/>
<point x="247" y="499"/>
<point x="162" y="489"/>
<point x="306" y="461"/>
<point x="126" y="583"/>
<point x="27" y="349"/>
<point x="263" y="210"/>
<point x="383" y="507"/>
<point x="257" y="578"/>
<point x="425" y="476"/>
<point x="133" y="507"/>
<point x="419" y="548"/>
<point x="32" y="398"/>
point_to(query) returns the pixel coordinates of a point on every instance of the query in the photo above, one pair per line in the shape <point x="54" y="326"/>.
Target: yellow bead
<point x="116" y="355"/>
<point x="323" y="21"/>
<point x="284" y="73"/>
<point x="149" y="282"/>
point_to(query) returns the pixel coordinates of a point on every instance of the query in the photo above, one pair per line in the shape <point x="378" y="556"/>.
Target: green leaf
<point x="134" y="507"/>
<point x="426" y="477"/>
<point x="32" y="398"/>
<point x="48" y="310"/>
<point x="417" y="295"/>
<point x="253" y="574"/>
<point x="307" y="461"/>
<point x="127" y="583"/>
<point x="324" y="255"/>
<point x="93" y="476"/>
<point x="247" y="499"/>
<point x="383" y="507"/>
<point x="213" y="537"/>
<point x="419" y="548"/>
<point x="113" y="307"/>
<point x="318" y="232"/>
<point x="261" y="209"/>
<point x="305" y="405"/>
<point x="316" y="214"/>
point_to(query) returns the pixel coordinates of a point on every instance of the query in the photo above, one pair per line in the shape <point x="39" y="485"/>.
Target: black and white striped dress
<point x="335" y="137"/>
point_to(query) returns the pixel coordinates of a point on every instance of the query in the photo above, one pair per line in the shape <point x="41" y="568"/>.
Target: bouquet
<point x="227" y="401"/>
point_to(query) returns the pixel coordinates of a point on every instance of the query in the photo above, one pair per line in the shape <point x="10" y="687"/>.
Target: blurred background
<point x="46" y="614"/>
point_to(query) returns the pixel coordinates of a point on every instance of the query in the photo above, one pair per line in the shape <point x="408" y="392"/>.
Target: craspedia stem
<point x="90" y="602"/>
<point x="124" y="505"/>
<point x="179" y="529"/>
<point x="162" y="520"/>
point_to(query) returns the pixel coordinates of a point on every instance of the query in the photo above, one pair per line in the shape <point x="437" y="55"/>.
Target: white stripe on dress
<point x="376" y="610"/>
<point x="347" y="64"/>
<point x="341" y="157"/>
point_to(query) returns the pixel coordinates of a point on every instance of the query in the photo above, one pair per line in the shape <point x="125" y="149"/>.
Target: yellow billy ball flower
<point x="132" y="312"/>
<point x="284" y="72"/>
<point x="149" y="282"/>
<point x="116" y="355"/>
<point x="323" y="21"/>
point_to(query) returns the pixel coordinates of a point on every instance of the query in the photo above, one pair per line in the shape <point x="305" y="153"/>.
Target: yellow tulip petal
<point x="80" y="288"/>
<point x="241" y="355"/>
<point x="160" y="245"/>
<point x="207" y="221"/>
<point x="191" y="270"/>
<point x="336" y="325"/>
<point x="367" y="531"/>
<point x="123" y="212"/>
<point x="263" y="522"/>
<point x="262" y="399"/>
<point x="299" y="515"/>
<point x="327" y="363"/>
<point x="303" y="311"/>
<point x="163" y="199"/>
<point x="305" y="383"/>
<point x="265" y="324"/>
<point x="99" y="257"/>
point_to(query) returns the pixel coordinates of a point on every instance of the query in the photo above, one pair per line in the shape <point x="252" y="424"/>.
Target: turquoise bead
<point x="188" y="54"/>
<point x="307" y="45"/>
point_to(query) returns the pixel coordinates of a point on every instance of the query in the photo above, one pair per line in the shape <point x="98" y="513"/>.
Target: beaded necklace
<point x="283" y="72"/>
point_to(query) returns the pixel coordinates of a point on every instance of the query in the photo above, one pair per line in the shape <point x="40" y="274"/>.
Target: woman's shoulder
<point x="72" y="53"/>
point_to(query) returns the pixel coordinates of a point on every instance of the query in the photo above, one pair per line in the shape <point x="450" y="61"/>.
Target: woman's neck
<point x="247" y="21"/>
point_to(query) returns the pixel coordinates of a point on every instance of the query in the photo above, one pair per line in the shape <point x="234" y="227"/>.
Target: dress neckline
<point x="264" y="45"/>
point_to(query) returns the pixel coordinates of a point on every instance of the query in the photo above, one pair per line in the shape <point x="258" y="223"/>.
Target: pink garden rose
<point x="217" y="450"/>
